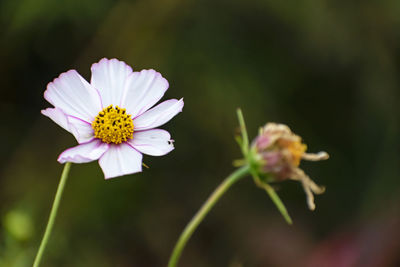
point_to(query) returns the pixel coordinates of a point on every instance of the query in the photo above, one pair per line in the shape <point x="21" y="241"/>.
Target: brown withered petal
<point x="280" y="151"/>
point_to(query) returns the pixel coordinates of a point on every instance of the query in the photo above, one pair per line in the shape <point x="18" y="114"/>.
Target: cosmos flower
<point x="279" y="152"/>
<point x="112" y="117"/>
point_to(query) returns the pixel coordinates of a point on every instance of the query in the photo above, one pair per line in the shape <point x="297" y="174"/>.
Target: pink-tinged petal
<point x="120" y="160"/>
<point x="74" y="96"/>
<point x="155" y="142"/>
<point x="82" y="153"/>
<point x="58" y="116"/>
<point x="109" y="77"/>
<point x="158" y="115"/>
<point x="81" y="130"/>
<point x="143" y="90"/>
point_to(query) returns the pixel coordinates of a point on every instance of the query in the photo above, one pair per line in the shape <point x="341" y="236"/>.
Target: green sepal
<point x="244" y="140"/>
<point x="262" y="180"/>
<point x="273" y="195"/>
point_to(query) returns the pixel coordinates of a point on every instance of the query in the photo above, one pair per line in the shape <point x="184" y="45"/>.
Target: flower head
<point x="112" y="117"/>
<point x="279" y="151"/>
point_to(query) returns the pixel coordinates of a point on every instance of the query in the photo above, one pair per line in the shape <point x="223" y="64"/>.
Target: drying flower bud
<point x="279" y="152"/>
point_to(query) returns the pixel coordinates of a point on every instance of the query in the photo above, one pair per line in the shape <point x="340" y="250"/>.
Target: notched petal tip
<point x="107" y="61"/>
<point x="120" y="160"/>
<point x="100" y="62"/>
<point x="71" y="93"/>
<point x="143" y="90"/>
<point x="55" y="82"/>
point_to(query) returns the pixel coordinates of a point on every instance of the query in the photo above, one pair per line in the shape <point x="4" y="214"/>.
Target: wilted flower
<point x="279" y="151"/>
<point x="111" y="118"/>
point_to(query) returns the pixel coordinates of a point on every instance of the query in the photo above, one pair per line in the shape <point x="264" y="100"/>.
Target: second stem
<point x="199" y="216"/>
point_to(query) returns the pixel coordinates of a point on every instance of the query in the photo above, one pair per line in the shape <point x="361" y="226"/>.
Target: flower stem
<point x="53" y="214"/>
<point x="199" y="216"/>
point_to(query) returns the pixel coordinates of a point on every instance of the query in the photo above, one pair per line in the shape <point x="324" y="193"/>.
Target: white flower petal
<point x="74" y="96"/>
<point x="81" y="129"/>
<point x="58" y="116"/>
<point x="143" y="90"/>
<point x="158" y="115"/>
<point x="155" y="142"/>
<point x="120" y="160"/>
<point x="84" y="152"/>
<point x="109" y="77"/>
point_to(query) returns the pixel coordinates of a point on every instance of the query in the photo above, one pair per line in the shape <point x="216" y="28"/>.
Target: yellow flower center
<point x="296" y="149"/>
<point x="113" y="125"/>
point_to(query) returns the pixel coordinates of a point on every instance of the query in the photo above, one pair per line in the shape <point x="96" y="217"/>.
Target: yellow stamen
<point x="113" y="125"/>
<point x="296" y="149"/>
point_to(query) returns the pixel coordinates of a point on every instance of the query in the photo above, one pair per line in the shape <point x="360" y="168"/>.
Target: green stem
<point x="53" y="214"/>
<point x="199" y="216"/>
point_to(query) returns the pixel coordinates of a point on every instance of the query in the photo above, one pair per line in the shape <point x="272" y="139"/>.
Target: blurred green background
<point x="329" y="69"/>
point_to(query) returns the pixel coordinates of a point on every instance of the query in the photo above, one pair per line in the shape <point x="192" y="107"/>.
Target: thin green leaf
<point x="245" y="139"/>
<point x="274" y="197"/>
<point x="278" y="203"/>
<point x="239" y="140"/>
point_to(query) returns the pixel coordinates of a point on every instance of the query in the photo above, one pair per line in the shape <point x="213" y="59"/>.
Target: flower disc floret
<point x="295" y="150"/>
<point x="113" y="125"/>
